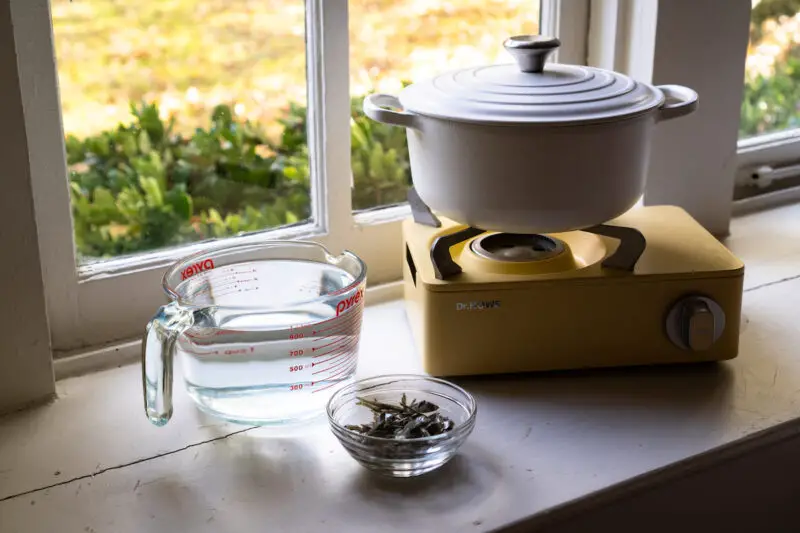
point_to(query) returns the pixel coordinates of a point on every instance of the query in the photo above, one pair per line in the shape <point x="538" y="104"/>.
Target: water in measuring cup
<point x="272" y="341"/>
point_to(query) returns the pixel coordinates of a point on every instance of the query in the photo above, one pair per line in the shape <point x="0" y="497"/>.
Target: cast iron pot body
<point x="530" y="148"/>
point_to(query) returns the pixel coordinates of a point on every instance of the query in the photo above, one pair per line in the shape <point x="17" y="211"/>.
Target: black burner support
<point x="420" y="211"/>
<point x="443" y="265"/>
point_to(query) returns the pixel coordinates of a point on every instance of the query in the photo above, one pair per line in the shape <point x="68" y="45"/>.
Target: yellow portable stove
<point x="650" y="287"/>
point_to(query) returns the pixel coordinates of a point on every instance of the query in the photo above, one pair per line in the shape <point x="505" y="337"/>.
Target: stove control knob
<point x="698" y="325"/>
<point x="695" y="323"/>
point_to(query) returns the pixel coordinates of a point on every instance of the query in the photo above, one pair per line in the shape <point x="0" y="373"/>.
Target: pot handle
<point x="374" y="108"/>
<point x="679" y="101"/>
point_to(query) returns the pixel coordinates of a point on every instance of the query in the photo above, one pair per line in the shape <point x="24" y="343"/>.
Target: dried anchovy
<point x="404" y="420"/>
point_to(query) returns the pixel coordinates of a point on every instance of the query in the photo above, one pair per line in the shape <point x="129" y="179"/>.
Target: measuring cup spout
<point x="158" y="350"/>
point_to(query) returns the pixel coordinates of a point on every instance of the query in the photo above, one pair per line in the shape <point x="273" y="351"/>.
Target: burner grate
<point x="517" y="247"/>
<point x="630" y="249"/>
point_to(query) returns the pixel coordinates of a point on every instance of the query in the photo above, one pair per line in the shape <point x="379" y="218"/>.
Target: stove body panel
<point x="484" y="322"/>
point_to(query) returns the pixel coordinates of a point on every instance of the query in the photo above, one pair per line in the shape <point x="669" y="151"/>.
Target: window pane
<point x="184" y="120"/>
<point x="772" y="78"/>
<point x="393" y="42"/>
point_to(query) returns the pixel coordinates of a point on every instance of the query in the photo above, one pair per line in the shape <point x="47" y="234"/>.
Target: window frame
<point x="109" y="301"/>
<point x="692" y="160"/>
<point x="99" y="303"/>
<point x="777" y="149"/>
<point x="26" y="368"/>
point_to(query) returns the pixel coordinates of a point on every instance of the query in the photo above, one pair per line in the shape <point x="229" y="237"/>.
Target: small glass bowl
<point x="406" y="457"/>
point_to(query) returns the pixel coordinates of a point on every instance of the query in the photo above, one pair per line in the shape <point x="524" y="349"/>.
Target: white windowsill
<point x="543" y="447"/>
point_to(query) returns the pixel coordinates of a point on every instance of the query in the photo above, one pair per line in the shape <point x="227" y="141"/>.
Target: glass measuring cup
<point x="265" y="333"/>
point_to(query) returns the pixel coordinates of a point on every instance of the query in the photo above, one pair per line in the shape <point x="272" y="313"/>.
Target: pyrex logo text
<point x="347" y="303"/>
<point x="196" y="268"/>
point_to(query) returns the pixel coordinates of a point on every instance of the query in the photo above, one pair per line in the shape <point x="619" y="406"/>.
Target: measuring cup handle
<point x="158" y="349"/>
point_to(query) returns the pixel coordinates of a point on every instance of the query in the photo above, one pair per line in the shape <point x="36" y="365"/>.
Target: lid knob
<point x="531" y="51"/>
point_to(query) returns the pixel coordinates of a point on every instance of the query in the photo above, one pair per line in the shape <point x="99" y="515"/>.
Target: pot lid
<point x="530" y="91"/>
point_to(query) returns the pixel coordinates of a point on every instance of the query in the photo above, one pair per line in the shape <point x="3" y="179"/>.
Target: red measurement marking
<point x="338" y="355"/>
<point x="336" y="335"/>
<point x="202" y="290"/>
<point x="346" y="368"/>
<point x="298" y="386"/>
<point x="221" y="282"/>
<point x="341" y="351"/>
<point x="329" y="385"/>
<point x="207" y="335"/>
<point x="337" y="364"/>
<point x="215" y="352"/>
<point x="335" y="350"/>
<point x="336" y="338"/>
<point x="296" y="368"/>
<point x="344" y="344"/>
<point x="340" y="328"/>
<point x="344" y="352"/>
<point x="352" y="309"/>
<point x="343" y="329"/>
<point x="220" y="294"/>
<point x="324" y="346"/>
<point x="216" y="333"/>
<point x="295" y="353"/>
<point x="323" y="388"/>
<point x="353" y="317"/>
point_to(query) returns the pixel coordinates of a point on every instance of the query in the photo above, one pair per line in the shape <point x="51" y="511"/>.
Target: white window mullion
<point x="569" y="21"/>
<point x="330" y="87"/>
<point x="693" y="162"/>
<point x="373" y="236"/>
<point x="622" y="36"/>
<point x="41" y="106"/>
<point x="26" y="372"/>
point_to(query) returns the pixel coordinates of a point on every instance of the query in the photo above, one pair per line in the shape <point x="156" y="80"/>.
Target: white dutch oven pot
<point x="530" y="148"/>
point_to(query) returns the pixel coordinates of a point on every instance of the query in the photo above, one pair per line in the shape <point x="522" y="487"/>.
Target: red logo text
<point x="196" y="268"/>
<point x="347" y="303"/>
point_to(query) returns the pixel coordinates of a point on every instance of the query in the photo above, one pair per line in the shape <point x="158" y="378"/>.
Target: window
<point x="190" y="122"/>
<point x="395" y="42"/>
<point x="692" y="161"/>
<point x="109" y="296"/>
<point x="184" y="120"/>
<point x="769" y="131"/>
<point x="771" y="101"/>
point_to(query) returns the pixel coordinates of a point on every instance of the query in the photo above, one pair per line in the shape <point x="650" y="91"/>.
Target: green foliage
<point x="379" y="161"/>
<point x="772" y="102"/>
<point x="141" y="186"/>
<point x="770" y="10"/>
